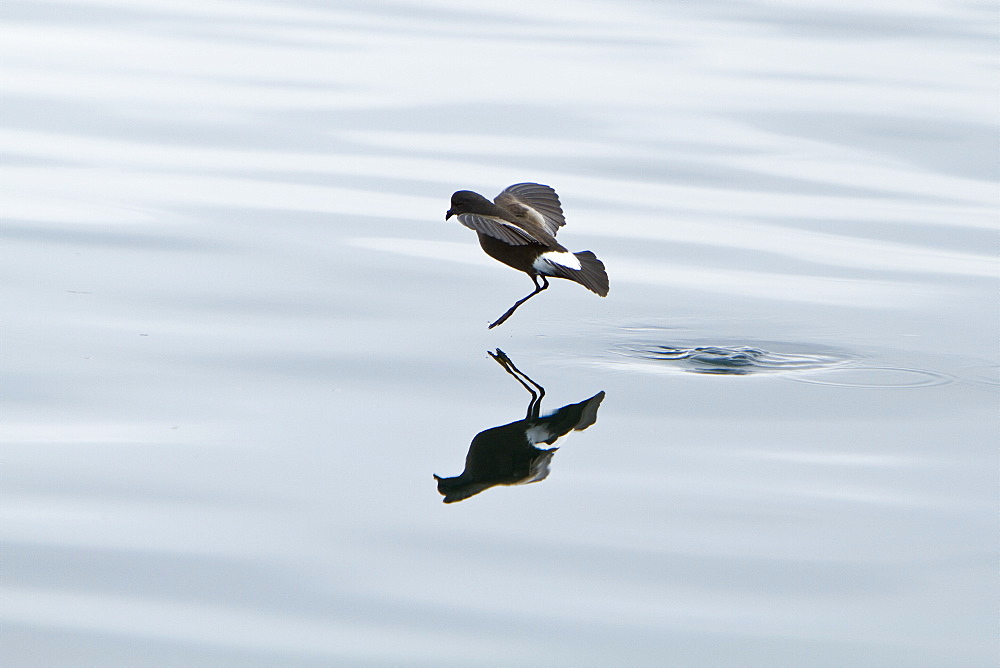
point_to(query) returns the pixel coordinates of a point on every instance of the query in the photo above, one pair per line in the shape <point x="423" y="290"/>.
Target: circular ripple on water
<point x="878" y="378"/>
<point x="734" y="360"/>
<point x="821" y="366"/>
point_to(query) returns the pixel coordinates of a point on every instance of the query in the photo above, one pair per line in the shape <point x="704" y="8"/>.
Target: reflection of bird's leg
<point x="535" y="405"/>
<point x="510" y="311"/>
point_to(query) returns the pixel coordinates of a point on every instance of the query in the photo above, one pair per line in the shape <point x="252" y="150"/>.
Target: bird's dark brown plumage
<point x="519" y="229"/>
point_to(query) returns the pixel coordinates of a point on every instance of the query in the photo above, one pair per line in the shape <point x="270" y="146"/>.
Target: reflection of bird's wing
<point x="536" y="203"/>
<point x="539" y="468"/>
<point x="498" y="228"/>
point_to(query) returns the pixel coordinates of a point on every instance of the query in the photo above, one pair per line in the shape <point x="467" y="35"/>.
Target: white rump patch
<point x="562" y="258"/>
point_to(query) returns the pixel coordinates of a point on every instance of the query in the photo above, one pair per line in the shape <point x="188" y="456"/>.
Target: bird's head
<point x="466" y="201"/>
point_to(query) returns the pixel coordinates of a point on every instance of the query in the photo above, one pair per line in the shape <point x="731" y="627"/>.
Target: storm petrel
<point x="519" y="229"/>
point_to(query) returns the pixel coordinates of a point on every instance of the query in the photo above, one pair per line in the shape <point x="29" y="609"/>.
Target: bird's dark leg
<point x="510" y="311"/>
<point x="535" y="405"/>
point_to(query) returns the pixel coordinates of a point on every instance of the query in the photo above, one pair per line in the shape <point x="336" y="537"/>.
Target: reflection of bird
<point x="508" y="455"/>
<point x="519" y="228"/>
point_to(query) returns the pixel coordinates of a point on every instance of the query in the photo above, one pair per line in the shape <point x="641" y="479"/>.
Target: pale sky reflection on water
<point x="239" y="336"/>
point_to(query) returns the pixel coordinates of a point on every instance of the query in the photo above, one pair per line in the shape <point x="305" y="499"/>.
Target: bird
<point x="509" y="454"/>
<point x="519" y="229"/>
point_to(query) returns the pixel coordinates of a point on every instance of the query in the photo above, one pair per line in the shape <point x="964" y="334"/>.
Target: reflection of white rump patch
<point x="538" y="434"/>
<point x="543" y="263"/>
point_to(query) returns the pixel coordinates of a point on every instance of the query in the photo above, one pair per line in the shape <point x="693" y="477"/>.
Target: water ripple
<point x="827" y="366"/>
<point x="734" y="360"/>
<point x="880" y="378"/>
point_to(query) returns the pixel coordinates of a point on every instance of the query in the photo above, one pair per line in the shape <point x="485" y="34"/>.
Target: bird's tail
<point x="582" y="267"/>
<point x="591" y="274"/>
<point x="575" y="417"/>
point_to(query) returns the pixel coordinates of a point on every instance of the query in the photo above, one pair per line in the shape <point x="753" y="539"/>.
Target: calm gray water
<point x="239" y="337"/>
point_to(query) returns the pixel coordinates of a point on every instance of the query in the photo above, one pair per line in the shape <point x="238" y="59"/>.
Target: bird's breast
<point x="519" y="257"/>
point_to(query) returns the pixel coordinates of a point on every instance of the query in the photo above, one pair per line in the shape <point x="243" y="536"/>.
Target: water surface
<point x="239" y="337"/>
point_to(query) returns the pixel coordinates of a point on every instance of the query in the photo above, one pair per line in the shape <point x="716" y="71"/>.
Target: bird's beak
<point x="448" y="215"/>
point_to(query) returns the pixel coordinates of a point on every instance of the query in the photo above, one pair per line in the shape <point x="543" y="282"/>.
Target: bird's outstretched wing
<point x="535" y="202"/>
<point x="498" y="229"/>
